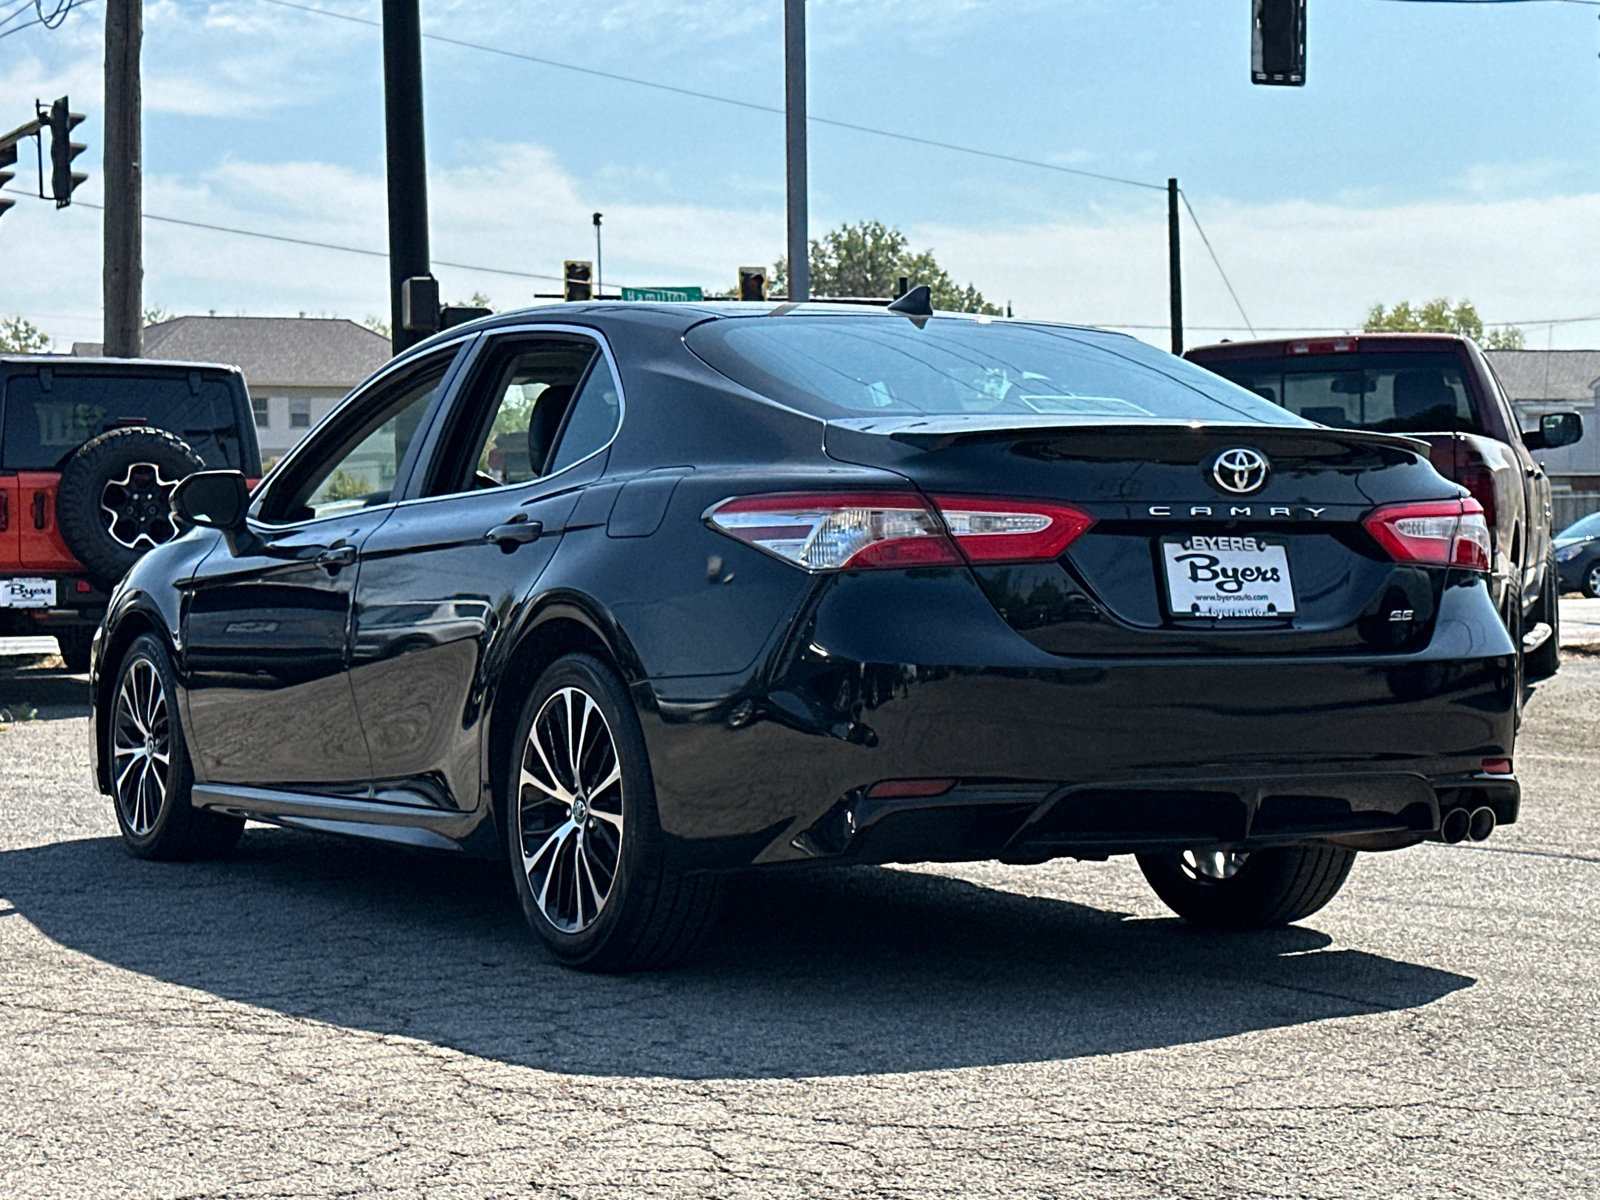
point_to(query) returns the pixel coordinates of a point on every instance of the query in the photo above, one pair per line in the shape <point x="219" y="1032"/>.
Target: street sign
<point x="667" y="294"/>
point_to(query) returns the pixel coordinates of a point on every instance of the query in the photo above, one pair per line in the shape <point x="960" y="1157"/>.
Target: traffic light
<point x="8" y="156"/>
<point x="1278" y="42"/>
<point x="577" y="275"/>
<point x="63" y="179"/>
<point x="752" y="283"/>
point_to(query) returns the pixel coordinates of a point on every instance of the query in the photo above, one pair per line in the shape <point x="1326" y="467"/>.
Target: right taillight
<point x="1444" y="533"/>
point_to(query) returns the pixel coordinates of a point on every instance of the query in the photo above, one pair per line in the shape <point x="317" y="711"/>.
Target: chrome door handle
<point x="518" y="531"/>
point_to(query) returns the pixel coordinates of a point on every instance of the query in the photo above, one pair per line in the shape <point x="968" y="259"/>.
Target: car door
<point x="266" y="618"/>
<point x="440" y="581"/>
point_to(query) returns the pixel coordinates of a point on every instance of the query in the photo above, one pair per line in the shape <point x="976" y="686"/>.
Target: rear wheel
<point x="150" y="772"/>
<point x="584" y="839"/>
<point x="1257" y="889"/>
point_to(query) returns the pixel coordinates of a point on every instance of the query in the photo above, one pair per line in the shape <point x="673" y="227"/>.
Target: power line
<point x="1218" y="262"/>
<point x="53" y="21"/>
<point x="720" y="99"/>
<point x="298" y="241"/>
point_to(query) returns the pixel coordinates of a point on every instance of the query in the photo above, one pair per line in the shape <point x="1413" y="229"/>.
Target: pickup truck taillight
<point x="5" y="511"/>
<point x="1456" y="460"/>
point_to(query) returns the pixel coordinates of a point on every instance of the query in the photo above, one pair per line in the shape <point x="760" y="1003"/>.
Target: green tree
<point x="1439" y="316"/>
<point x="869" y="258"/>
<point x="19" y="336"/>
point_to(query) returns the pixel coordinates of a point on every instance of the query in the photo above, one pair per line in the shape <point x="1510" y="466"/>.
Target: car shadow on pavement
<point x="840" y="972"/>
<point x="37" y="688"/>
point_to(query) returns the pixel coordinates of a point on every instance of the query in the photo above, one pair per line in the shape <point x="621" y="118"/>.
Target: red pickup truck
<point x="1441" y="390"/>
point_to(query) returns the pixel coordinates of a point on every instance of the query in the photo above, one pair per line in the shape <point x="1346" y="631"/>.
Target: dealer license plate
<point x="27" y="593"/>
<point x="1227" y="577"/>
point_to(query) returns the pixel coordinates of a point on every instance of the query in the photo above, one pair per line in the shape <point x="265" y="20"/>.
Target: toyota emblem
<point x="1241" y="471"/>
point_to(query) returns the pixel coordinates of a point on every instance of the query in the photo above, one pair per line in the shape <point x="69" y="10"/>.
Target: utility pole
<point x="1174" y="266"/>
<point x="123" y="329"/>
<point x="408" y="168"/>
<point x="794" y="74"/>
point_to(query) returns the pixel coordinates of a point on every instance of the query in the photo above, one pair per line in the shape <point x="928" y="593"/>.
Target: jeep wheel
<point x="115" y="500"/>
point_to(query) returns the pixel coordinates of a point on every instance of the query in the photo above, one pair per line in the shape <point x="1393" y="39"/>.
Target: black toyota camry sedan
<point x="639" y="596"/>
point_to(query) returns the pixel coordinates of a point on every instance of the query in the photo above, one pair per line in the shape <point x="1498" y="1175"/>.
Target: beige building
<point x="296" y="368"/>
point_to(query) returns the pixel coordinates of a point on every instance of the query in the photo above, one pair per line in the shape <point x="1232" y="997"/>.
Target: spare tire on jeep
<point x="115" y="498"/>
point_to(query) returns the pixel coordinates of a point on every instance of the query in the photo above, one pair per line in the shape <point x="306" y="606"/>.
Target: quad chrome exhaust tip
<point x="1481" y="824"/>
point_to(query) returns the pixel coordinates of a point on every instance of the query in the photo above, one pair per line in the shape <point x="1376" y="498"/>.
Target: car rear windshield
<point x="49" y="413"/>
<point x="883" y="365"/>
<point x="1386" y="393"/>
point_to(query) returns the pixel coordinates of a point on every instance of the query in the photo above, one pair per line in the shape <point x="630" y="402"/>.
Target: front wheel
<point x="1256" y="889"/>
<point x="1591" y="580"/>
<point x="150" y="771"/>
<point x="584" y="839"/>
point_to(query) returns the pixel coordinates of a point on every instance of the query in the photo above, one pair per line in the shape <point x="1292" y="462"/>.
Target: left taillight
<point x="1445" y="533"/>
<point x="830" y="532"/>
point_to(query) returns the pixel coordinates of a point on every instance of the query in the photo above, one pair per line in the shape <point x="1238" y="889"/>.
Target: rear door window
<point x="1385" y="393"/>
<point x="50" y="413"/>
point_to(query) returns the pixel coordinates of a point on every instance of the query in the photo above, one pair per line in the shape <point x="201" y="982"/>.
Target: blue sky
<point x="1437" y="149"/>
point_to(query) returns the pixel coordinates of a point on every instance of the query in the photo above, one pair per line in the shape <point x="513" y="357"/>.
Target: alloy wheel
<point x="141" y="746"/>
<point x="570" y="810"/>
<point x="1212" y="866"/>
<point x="1593" y="579"/>
<point x="138" y="507"/>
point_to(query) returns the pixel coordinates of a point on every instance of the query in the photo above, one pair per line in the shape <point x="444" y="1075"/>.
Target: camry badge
<point x="1240" y="471"/>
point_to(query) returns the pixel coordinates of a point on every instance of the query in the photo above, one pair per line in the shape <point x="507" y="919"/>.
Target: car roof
<point x="686" y="314"/>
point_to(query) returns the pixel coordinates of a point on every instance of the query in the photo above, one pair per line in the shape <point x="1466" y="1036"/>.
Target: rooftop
<point x="1535" y="375"/>
<point x="275" y="351"/>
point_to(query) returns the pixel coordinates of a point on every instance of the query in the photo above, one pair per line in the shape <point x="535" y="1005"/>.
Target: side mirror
<point x="1555" y="429"/>
<point x="215" y="499"/>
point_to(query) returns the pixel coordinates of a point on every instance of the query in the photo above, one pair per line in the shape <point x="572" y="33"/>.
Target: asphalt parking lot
<point x="319" y="1018"/>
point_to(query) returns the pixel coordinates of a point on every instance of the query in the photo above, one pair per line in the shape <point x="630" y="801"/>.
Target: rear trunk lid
<point x="1183" y="517"/>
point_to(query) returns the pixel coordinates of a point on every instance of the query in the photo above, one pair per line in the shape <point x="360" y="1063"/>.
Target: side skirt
<point x="406" y="824"/>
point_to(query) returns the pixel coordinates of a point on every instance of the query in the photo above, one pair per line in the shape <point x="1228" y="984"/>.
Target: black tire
<point x="114" y="502"/>
<point x="74" y="642"/>
<point x="1591" y="580"/>
<point x="152" y="804"/>
<point x="1546" y="660"/>
<point x="644" y="917"/>
<point x="1268" y="888"/>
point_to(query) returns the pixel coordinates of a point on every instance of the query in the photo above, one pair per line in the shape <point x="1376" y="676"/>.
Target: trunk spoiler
<point x="932" y="433"/>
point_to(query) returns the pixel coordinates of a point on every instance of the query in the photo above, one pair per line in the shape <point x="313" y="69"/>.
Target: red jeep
<point x="89" y="451"/>
<point x="1440" y="389"/>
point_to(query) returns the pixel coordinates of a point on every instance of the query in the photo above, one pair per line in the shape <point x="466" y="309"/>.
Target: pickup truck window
<point x="1385" y="393"/>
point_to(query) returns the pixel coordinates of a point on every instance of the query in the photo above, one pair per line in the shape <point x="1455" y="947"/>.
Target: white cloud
<point x="1301" y="264"/>
<point x="1306" y="265"/>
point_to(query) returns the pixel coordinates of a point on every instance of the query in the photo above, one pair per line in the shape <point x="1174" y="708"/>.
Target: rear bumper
<point x="1034" y="822"/>
<point x="902" y="679"/>
<point x="72" y="606"/>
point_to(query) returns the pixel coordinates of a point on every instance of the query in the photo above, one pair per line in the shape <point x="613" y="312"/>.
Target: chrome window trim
<point x="377" y="379"/>
<point x="483" y="347"/>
